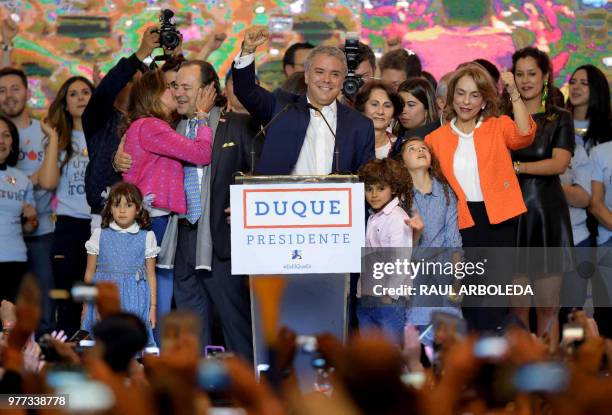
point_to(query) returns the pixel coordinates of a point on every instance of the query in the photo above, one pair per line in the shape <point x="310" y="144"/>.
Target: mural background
<point x="60" y="38"/>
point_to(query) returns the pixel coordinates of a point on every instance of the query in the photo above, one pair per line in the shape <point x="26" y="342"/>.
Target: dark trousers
<point x="201" y="291"/>
<point x="12" y="275"/>
<point x="69" y="263"/>
<point x="40" y="264"/>
<point x="484" y="234"/>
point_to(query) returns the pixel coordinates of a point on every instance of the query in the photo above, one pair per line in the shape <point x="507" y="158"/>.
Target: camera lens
<point x="170" y="40"/>
<point x="350" y="87"/>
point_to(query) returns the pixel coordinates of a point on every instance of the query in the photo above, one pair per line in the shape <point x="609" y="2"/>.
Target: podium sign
<point x="297" y="228"/>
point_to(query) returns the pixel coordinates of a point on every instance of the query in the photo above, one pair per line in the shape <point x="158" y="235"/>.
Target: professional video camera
<point x="169" y="37"/>
<point x="352" y="82"/>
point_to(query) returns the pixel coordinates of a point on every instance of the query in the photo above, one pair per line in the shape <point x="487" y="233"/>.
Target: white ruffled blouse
<point x="151" y="248"/>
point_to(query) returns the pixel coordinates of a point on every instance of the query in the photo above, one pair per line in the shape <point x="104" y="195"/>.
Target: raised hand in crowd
<point x="149" y="42"/>
<point x="213" y="43"/>
<point x="108" y="300"/>
<point x="393" y="43"/>
<point x="507" y="79"/>
<point x="27" y="312"/>
<point x="254" y="37"/>
<point x="47" y="177"/>
<point x="60" y="336"/>
<point x="96" y="74"/>
<point x="9" y="29"/>
<point x="7" y="314"/>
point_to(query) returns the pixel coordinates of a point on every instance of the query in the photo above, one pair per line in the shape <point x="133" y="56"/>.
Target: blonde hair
<point x="484" y="84"/>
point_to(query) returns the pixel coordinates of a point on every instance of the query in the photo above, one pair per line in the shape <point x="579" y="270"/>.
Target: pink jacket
<point x="157" y="153"/>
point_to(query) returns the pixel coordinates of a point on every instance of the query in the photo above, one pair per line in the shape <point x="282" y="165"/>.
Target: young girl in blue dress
<point x="123" y="252"/>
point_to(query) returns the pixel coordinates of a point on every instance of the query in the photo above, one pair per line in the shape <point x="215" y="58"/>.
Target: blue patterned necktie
<point x="192" y="183"/>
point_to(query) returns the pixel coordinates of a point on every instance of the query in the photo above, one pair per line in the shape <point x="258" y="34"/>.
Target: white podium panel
<point x="297" y="228"/>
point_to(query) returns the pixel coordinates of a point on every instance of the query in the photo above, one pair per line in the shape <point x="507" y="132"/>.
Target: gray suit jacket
<point x="204" y="246"/>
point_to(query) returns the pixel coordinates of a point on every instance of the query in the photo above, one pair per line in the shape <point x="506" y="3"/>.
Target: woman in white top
<point x="381" y="104"/>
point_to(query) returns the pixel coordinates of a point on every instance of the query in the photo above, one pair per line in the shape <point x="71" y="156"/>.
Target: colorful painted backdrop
<point x="59" y="38"/>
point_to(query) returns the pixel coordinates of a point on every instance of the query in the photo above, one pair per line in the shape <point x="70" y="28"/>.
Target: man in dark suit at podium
<point x="299" y="140"/>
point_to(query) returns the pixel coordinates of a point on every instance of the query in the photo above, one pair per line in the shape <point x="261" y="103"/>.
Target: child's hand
<point x="416" y="223"/>
<point x="152" y="316"/>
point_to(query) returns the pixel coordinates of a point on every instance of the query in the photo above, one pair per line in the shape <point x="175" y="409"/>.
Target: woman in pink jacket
<point x="158" y="156"/>
<point x="157" y="150"/>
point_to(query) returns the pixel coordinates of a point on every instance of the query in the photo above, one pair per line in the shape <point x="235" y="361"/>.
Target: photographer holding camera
<point x="361" y="63"/>
<point x="315" y="134"/>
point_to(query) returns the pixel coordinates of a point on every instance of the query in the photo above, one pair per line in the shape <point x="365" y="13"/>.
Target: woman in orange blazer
<point x="473" y="147"/>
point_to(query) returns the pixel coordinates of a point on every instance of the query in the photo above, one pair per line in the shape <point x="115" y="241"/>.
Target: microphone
<point x="262" y="131"/>
<point x="336" y="147"/>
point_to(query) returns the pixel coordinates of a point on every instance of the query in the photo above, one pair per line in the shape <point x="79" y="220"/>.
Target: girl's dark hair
<point x="366" y="90"/>
<point x="435" y="170"/>
<point x="598" y="112"/>
<point x="60" y="118"/>
<point x="545" y="65"/>
<point x="133" y="195"/>
<point x="422" y="90"/>
<point x="390" y="172"/>
<point x="13" y="156"/>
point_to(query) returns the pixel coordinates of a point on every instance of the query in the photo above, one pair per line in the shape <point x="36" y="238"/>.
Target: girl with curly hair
<point x="124" y="252"/>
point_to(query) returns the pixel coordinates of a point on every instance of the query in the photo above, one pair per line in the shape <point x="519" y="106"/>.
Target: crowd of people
<point x="125" y="184"/>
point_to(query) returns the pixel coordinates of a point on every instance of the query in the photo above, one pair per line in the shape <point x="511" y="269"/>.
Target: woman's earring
<point x="483" y="107"/>
<point x="544" y="97"/>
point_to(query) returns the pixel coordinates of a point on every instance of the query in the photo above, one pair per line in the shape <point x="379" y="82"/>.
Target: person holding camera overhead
<point x="300" y="141"/>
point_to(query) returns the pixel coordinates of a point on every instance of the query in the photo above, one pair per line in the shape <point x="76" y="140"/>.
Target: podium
<point x="302" y="235"/>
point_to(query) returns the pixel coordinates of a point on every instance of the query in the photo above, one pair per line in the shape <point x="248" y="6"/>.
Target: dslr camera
<point x="352" y="82"/>
<point x="169" y="37"/>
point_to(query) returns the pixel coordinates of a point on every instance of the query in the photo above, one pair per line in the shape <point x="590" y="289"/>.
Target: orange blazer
<point x="493" y="141"/>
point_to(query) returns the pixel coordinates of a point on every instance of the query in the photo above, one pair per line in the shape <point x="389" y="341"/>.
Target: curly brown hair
<point x="389" y="172"/>
<point x="132" y="194"/>
<point x="435" y="171"/>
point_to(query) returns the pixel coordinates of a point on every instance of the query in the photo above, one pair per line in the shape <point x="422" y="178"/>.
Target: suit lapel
<point x="304" y="119"/>
<point x="342" y="129"/>
<point x="219" y="140"/>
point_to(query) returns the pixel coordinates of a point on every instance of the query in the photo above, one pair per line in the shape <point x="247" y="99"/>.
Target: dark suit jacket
<point x="284" y="138"/>
<point x="100" y="124"/>
<point x="231" y="153"/>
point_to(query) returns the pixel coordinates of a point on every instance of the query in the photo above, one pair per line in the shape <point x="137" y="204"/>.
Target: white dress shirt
<point x="465" y="165"/>
<point x="317" y="153"/>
